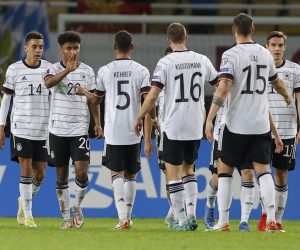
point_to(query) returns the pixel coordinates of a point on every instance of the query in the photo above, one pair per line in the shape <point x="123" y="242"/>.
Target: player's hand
<point x="138" y="126"/>
<point x="148" y="149"/>
<point x="209" y="128"/>
<point x="72" y="64"/>
<point x="157" y="127"/>
<point x="298" y="137"/>
<point x="288" y="100"/>
<point x="79" y="90"/>
<point x="98" y="131"/>
<point x="278" y="145"/>
<point x="2" y="137"/>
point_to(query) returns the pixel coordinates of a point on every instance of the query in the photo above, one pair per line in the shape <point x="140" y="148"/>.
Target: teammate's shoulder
<point x="45" y="63"/>
<point x="85" y="66"/>
<point x="139" y="66"/>
<point x="16" y="65"/>
<point x="290" y="64"/>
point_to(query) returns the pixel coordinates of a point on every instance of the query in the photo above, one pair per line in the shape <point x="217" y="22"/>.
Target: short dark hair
<point x="168" y="50"/>
<point x="123" y="40"/>
<point x="33" y="35"/>
<point x="278" y="34"/>
<point x="176" y="32"/>
<point x="243" y="24"/>
<point x="69" y="37"/>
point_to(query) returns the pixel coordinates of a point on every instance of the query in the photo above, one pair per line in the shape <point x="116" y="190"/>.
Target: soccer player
<point x="29" y="121"/>
<point x="170" y="220"/>
<point x="285" y="119"/>
<point x="68" y="125"/>
<point x="245" y="170"/>
<point x="124" y="83"/>
<point x="244" y="72"/>
<point x="182" y="75"/>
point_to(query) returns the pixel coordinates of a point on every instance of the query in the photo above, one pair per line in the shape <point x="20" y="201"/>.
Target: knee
<point x="81" y="176"/>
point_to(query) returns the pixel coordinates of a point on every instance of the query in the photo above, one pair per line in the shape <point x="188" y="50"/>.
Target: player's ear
<point x="115" y="46"/>
<point x="169" y="41"/>
<point x="233" y="29"/>
<point x="131" y="47"/>
<point x="252" y="29"/>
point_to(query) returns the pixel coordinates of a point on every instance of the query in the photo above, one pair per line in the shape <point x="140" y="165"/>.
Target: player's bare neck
<point x="122" y="56"/>
<point x="243" y="39"/>
<point x="178" y="47"/>
<point x="32" y="62"/>
<point x="278" y="62"/>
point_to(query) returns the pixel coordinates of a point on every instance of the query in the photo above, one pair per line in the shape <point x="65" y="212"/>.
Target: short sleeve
<point x="211" y="73"/>
<point x="9" y="82"/>
<point x="91" y="81"/>
<point x="100" y="89"/>
<point x="159" y="77"/>
<point x="145" y="87"/>
<point x="297" y="78"/>
<point x="227" y="66"/>
<point x="272" y="69"/>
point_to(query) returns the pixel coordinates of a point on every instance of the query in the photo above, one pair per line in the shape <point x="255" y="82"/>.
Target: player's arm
<point x="95" y="110"/>
<point x="298" y="112"/>
<point x="148" y="104"/>
<point x="3" y="115"/>
<point x="147" y="135"/>
<point x="278" y="141"/>
<point x="281" y="89"/>
<point x="53" y="80"/>
<point x="92" y="98"/>
<point x="217" y="102"/>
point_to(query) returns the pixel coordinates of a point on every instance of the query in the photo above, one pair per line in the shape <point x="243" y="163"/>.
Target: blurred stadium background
<point x="209" y="26"/>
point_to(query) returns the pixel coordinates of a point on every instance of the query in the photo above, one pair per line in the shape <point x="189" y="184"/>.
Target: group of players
<point x="51" y="114"/>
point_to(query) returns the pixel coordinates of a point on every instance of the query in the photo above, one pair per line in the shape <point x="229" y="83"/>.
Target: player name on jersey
<point x="123" y="74"/>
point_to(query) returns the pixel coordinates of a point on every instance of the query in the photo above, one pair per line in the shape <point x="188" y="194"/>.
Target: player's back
<point x="251" y="67"/>
<point x="183" y="74"/>
<point x="124" y="81"/>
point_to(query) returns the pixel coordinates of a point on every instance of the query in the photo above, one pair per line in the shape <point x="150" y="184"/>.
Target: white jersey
<point x="160" y="109"/>
<point x="30" y="112"/>
<point x="123" y="81"/>
<point x="70" y="115"/>
<point x="182" y="74"/>
<point x="251" y="67"/>
<point x="285" y="117"/>
<point x="219" y="122"/>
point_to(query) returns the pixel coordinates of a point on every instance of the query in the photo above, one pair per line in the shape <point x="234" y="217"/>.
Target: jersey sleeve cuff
<point x="157" y="85"/>
<point x="145" y="90"/>
<point x="274" y="77"/>
<point x="99" y="93"/>
<point x="7" y="91"/>
<point x="214" y="82"/>
<point x="226" y="76"/>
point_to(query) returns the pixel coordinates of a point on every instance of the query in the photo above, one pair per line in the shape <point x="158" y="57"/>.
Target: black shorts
<point x="178" y="152"/>
<point x="161" y="163"/>
<point x="119" y="158"/>
<point x="30" y="149"/>
<point x="64" y="148"/>
<point x="287" y="158"/>
<point x="236" y="149"/>
<point x="215" y="155"/>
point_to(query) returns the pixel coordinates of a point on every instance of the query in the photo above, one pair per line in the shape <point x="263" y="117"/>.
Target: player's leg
<point x="224" y="195"/>
<point x="80" y="154"/>
<point x="247" y="196"/>
<point x="130" y="193"/>
<point x="212" y="188"/>
<point x="259" y="152"/>
<point x="173" y="156"/>
<point x="60" y="157"/>
<point x="282" y="163"/>
<point x="22" y="151"/>
<point x="39" y="162"/>
<point x="81" y="184"/>
<point x="170" y="220"/>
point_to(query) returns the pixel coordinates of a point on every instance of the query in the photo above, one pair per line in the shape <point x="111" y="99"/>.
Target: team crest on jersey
<point x="224" y="61"/>
<point x="83" y="75"/>
<point x="19" y="146"/>
<point x="286" y="75"/>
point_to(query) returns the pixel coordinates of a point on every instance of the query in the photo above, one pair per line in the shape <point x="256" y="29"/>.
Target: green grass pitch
<point x="146" y="234"/>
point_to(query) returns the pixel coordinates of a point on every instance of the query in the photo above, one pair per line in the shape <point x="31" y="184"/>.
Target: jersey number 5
<point x="192" y="88"/>
<point x="123" y="93"/>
